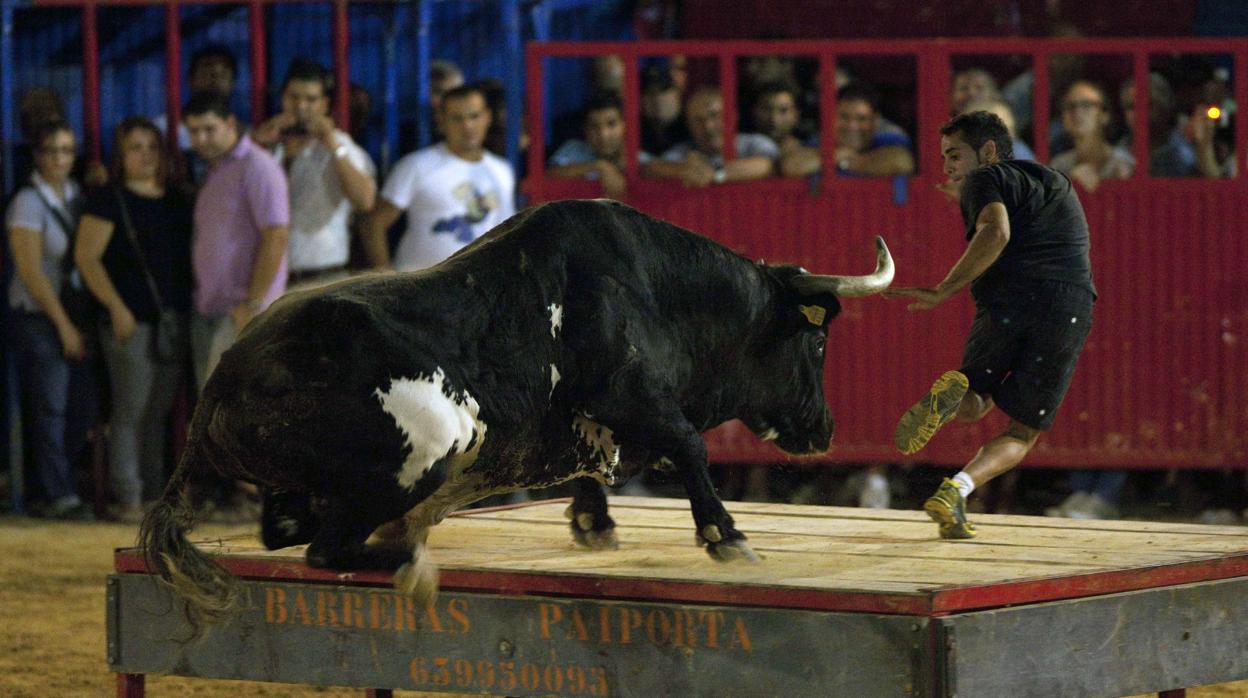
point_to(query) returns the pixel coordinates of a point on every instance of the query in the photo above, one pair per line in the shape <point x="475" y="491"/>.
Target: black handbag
<point x="81" y="307"/>
<point x="169" y="339"/>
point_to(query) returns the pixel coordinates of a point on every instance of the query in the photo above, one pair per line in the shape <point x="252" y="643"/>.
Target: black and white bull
<point x="579" y="339"/>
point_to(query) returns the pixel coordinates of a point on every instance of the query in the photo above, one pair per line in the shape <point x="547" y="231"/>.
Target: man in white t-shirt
<point x="452" y="192"/>
<point x="329" y="175"/>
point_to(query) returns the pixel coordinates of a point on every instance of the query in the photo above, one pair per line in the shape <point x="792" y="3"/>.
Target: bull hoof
<point x="732" y="550"/>
<point x="585" y="536"/>
<point x="418" y="578"/>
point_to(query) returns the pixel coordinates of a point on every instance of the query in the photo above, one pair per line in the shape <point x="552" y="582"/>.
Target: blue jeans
<point x="43" y="377"/>
<point x="1106" y="484"/>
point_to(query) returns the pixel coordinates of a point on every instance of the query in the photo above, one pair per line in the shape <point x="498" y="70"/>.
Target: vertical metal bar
<point x="1240" y="94"/>
<point x="1175" y="693"/>
<point x="130" y="686"/>
<point x="533" y="64"/>
<point x="342" y="67"/>
<point x="173" y="73"/>
<point x="632" y="114"/>
<point x="389" y="86"/>
<point x="827" y="120"/>
<point x="91" y="80"/>
<point x="1040" y="104"/>
<point x="7" y="97"/>
<point x="423" y="113"/>
<point x="259" y="69"/>
<point x="934" y="66"/>
<point x="514" y="82"/>
<point x="1140" y="135"/>
<point x="378" y="693"/>
<point x="728" y="90"/>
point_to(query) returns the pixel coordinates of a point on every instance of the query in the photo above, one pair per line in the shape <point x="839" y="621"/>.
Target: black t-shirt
<point x="163" y="229"/>
<point x="1048" y="231"/>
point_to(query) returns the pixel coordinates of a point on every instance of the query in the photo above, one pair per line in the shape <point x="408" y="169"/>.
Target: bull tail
<point x="208" y="590"/>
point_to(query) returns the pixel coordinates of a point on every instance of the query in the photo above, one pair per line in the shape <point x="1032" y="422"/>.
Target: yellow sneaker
<point x="919" y="424"/>
<point x="948" y="508"/>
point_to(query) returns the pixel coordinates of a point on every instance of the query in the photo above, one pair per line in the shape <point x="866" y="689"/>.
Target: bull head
<point x="848" y="286"/>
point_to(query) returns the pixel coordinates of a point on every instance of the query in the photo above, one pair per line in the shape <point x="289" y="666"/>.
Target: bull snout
<point x="807" y="436"/>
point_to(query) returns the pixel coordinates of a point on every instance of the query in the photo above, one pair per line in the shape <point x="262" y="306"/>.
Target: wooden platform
<point x="844" y="602"/>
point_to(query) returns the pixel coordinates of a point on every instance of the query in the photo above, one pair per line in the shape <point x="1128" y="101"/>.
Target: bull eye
<point x="820" y="342"/>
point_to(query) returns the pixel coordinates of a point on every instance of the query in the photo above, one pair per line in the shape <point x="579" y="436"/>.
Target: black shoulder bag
<point x="168" y="341"/>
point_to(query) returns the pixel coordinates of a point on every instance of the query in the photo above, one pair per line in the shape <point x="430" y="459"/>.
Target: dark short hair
<point x="306" y="70"/>
<point x="860" y="92"/>
<point x="775" y="87"/>
<point x="979" y="127"/>
<point x="47" y="129"/>
<point x="600" y="101"/>
<point x="202" y="103"/>
<point x="125" y="128"/>
<point x="472" y="88"/>
<point x="656" y="78"/>
<point x="215" y="52"/>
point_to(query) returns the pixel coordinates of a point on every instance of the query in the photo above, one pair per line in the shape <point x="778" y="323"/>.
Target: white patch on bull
<point x="436" y="425"/>
<point x="554" y="380"/>
<point x="556" y="318"/>
<point x="600" y="440"/>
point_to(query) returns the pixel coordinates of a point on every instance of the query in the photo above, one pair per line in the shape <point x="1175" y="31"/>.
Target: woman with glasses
<point x="1085" y="119"/>
<point x="41" y="221"/>
<point x="134" y="253"/>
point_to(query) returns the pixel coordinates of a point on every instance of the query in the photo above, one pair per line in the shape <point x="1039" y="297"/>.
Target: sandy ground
<point x="52" y="618"/>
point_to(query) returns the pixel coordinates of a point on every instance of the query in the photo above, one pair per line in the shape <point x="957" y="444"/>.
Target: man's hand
<point x="697" y="171"/>
<point x="123" y="322"/>
<point x="241" y="314"/>
<point x="269" y="133"/>
<point x="925" y="298"/>
<point x="321" y="128"/>
<point x="614" y="183"/>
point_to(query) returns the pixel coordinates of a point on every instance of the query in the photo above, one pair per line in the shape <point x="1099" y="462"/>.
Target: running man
<point x="1029" y="271"/>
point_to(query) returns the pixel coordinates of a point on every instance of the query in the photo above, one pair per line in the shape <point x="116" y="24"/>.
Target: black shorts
<point x="1023" y="354"/>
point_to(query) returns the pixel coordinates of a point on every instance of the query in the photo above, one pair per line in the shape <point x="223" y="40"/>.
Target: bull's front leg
<point x="715" y="527"/>
<point x="592" y="526"/>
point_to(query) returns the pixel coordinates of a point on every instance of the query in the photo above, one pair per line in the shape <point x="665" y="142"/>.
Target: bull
<point x="577" y="340"/>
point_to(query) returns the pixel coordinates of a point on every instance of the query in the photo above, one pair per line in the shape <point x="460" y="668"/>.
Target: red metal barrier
<point x="1161" y="380"/>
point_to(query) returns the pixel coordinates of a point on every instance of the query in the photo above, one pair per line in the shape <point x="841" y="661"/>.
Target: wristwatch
<point x="720" y="176"/>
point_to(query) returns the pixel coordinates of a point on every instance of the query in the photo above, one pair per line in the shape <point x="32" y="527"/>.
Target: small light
<point x="1214" y="113"/>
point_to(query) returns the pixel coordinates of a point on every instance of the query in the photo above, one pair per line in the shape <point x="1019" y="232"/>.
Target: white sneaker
<point x="1062" y="511"/>
<point x="1217" y="517"/>
<point x="1093" y="508"/>
<point x="874" y="493"/>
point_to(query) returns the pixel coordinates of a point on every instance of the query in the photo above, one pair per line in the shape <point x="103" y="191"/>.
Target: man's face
<point x="305" y="99"/>
<point x="604" y="131"/>
<point x="465" y="121"/>
<point x="775" y="115"/>
<point x="961" y="159"/>
<point x="661" y="106"/>
<point x="704" y="114"/>
<point x="211" y="136"/>
<point x="212" y="75"/>
<point x="967" y="88"/>
<point x="855" y="124"/>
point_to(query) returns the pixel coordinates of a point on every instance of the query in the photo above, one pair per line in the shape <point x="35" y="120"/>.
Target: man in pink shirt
<point x="242" y="218"/>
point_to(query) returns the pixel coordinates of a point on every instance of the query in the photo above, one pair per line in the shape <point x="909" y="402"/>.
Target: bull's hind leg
<point x="592" y="527"/>
<point x="286" y="518"/>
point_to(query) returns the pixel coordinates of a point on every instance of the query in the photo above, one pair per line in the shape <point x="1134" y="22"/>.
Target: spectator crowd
<point x="138" y="275"/>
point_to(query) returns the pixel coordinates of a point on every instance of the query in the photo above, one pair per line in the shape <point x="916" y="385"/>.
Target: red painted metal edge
<point x="259" y="70"/>
<point x="173" y="75"/>
<point x="1081" y="586"/>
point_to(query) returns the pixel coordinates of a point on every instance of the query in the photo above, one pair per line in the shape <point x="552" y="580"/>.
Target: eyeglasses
<point x="64" y="150"/>
<point x="1079" y="104"/>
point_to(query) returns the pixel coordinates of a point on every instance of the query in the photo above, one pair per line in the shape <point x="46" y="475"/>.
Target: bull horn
<point x="850" y="286"/>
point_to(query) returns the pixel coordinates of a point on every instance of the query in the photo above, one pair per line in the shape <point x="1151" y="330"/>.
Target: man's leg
<point x="948" y="506"/>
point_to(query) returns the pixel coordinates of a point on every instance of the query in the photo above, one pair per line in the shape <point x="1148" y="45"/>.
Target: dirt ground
<point x="52" y="636"/>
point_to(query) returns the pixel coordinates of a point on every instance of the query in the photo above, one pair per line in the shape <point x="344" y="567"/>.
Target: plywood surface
<point x="812" y="557"/>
